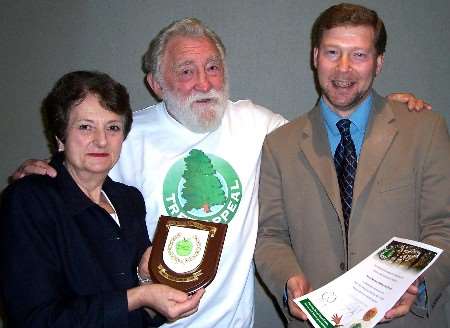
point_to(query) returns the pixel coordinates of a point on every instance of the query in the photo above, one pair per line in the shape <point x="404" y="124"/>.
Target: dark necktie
<point x="345" y="162"/>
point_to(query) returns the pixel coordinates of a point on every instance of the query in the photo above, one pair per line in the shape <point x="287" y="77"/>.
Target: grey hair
<point x="187" y="27"/>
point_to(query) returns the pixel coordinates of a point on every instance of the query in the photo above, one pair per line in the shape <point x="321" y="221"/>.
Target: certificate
<point x="360" y="297"/>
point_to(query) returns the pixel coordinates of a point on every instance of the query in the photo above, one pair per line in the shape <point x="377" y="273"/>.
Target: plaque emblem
<point x="184" y="248"/>
<point x="186" y="252"/>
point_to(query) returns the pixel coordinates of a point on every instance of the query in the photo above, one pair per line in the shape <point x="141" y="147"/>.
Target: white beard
<point x="194" y="115"/>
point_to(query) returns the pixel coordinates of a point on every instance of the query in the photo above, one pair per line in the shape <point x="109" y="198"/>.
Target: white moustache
<point x="199" y="96"/>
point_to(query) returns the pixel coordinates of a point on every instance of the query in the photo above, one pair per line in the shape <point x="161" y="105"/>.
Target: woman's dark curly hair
<point x="71" y="89"/>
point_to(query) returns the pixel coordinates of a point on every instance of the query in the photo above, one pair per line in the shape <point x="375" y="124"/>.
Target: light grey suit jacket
<point x="402" y="188"/>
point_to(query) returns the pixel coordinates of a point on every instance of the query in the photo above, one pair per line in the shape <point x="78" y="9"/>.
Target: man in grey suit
<point x="356" y="170"/>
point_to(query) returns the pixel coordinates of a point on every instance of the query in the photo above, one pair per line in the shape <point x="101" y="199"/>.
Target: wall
<point x="268" y="58"/>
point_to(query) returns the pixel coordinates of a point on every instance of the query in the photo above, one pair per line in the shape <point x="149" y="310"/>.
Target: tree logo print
<point x="202" y="186"/>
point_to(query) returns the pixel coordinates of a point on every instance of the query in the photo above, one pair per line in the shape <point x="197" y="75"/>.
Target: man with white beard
<point x="196" y="123"/>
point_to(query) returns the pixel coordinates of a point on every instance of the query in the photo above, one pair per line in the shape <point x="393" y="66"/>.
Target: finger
<point x="147" y="254"/>
<point x="403" y="305"/>
<point x="191" y="304"/>
<point x="405" y="97"/>
<point x="177" y="296"/>
<point x="411" y="105"/>
<point x="420" y="104"/>
<point x="397" y="311"/>
<point x="35" y="162"/>
<point x="17" y="175"/>
<point x="297" y="288"/>
<point x="176" y="316"/>
<point x="181" y="297"/>
<point x="413" y="290"/>
<point x="37" y="167"/>
<point x="197" y="295"/>
<point x="27" y="170"/>
<point x="143" y="264"/>
<point x="295" y="311"/>
<point x="400" y="97"/>
<point x="194" y="299"/>
<point x="416" y="105"/>
<point x="190" y="312"/>
<point x="297" y="292"/>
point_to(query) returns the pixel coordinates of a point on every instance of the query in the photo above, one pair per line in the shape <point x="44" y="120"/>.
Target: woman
<point x="70" y="245"/>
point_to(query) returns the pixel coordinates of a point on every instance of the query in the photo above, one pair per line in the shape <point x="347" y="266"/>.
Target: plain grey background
<point x="268" y="58"/>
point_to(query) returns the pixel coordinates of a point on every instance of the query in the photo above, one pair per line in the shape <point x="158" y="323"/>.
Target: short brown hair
<point x="71" y="89"/>
<point x="346" y="14"/>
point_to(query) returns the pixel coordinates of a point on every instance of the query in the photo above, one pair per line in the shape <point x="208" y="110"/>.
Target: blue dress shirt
<point x="359" y="119"/>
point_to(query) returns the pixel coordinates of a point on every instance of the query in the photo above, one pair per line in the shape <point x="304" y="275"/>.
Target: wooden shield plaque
<point x="186" y="253"/>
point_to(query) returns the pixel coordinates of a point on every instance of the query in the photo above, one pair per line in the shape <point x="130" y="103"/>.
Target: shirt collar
<point x="359" y="117"/>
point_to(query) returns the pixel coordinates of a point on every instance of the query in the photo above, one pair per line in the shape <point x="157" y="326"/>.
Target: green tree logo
<point x="202" y="188"/>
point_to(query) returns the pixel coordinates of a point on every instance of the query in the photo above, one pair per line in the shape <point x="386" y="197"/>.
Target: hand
<point x="33" y="166"/>
<point x="171" y="303"/>
<point x="143" y="264"/>
<point x="414" y="104"/>
<point x="297" y="286"/>
<point x="404" y="304"/>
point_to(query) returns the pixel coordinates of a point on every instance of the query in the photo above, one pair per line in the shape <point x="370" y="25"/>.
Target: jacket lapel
<point x="380" y="133"/>
<point x="314" y="144"/>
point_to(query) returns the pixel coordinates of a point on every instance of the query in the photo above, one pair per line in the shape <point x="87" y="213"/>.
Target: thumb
<point x="178" y="296"/>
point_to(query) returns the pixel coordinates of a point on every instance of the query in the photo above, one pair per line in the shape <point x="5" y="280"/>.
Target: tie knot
<point x="344" y="127"/>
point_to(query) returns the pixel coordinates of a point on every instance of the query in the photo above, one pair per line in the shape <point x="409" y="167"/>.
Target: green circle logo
<point x="202" y="187"/>
<point x="184" y="247"/>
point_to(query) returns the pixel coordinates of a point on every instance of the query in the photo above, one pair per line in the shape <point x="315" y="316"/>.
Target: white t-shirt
<point x="162" y="158"/>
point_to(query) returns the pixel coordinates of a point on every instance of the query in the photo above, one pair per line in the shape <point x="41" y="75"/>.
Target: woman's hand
<point x="169" y="302"/>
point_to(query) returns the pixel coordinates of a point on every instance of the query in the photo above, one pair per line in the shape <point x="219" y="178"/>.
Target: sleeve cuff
<point x="420" y="306"/>
<point x="285" y="296"/>
<point x="115" y="309"/>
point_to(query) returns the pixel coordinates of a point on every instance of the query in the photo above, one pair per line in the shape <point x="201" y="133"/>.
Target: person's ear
<point x="380" y="62"/>
<point x="315" y="54"/>
<point x="154" y="84"/>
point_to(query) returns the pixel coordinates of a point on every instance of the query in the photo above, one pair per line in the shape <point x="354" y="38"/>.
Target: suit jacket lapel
<point x="380" y="133"/>
<point x="314" y="144"/>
